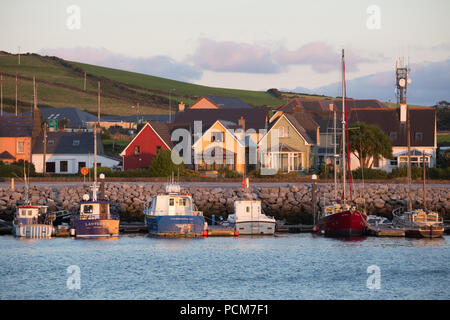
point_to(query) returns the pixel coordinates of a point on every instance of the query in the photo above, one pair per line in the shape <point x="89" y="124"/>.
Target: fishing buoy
<point x="315" y="229"/>
<point x="205" y="233"/>
<point x="236" y="233"/>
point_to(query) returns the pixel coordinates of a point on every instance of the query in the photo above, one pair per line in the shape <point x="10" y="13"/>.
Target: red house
<point x="140" y="151"/>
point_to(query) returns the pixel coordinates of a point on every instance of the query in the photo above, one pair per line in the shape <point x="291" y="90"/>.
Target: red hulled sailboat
<point x="343" y="219"/>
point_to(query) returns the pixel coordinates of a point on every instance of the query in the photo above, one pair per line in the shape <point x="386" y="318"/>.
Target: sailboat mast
<point x="97" y="124"/>
<point x="335" y="155"/>
<point x="344" y="193"/>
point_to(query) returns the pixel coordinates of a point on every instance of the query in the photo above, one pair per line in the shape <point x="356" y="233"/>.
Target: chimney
<point x="241" y="123"/>
<point x="403" y="108"/>
<point x="181" y="106"/>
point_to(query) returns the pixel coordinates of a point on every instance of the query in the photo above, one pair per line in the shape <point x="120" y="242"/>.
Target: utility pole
<point x="18" y="56"/>
<point x="1" y="95"/>
<point x="44" y="165"/>
<point x="16" y="93"/>
<point x="95" y="133"/>
<point x="85" y="81"/>
<point x="424" y="175"/>
<point x="170" y="105"/>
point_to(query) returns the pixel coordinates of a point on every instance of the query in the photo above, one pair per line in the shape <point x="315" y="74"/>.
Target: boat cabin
<point x="30" y="214"/>
<point x="247" y="209"/>
<point x="94" y="210"/>
<point x="172" y="205"/>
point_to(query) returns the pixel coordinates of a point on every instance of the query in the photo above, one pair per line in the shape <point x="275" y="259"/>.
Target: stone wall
<point x="281" y="202"/>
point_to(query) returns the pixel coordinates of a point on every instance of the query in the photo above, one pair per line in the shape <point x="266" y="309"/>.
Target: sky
<point x="246" y="44"/>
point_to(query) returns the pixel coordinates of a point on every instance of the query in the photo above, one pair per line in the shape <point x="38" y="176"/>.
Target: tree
<point x="162" y="165"/>
<point x="369" y="143"/>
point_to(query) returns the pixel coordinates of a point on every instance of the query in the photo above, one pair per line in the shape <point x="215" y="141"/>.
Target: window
<point x="20" y="147"/>
<point x="217" y="137"/>
<point x="88" y="209"/>
<point x="376" y="163"/>
<point x="51" y="142"/>
<point x="247" y="209"/>
<point x="394" y="162"/>
<point x="76" y="143"/>
<point x="171" y="202"/>
<point x="158" y="148"/>
<point x="81" y="165"/>
<point x="50" y="167"/>
<point x="393" y="135"/>
<point x="63" y="166"/>
<point x="137" y="150"/>
<point x="419" y="136"/>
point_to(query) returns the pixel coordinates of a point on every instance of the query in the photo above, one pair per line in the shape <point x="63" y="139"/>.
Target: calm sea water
<point x="293" y="266"/>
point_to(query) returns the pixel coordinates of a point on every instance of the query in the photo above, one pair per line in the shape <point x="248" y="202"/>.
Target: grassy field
<point x="61" y="84"/>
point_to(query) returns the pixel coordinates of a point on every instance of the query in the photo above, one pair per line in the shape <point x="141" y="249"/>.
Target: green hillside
<point x="61" y="84"/>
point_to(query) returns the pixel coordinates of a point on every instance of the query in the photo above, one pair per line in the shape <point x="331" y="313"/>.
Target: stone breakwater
<point x="281" y="201"/>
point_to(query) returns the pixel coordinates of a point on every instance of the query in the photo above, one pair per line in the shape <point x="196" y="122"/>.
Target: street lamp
<point x="170" y="105"/>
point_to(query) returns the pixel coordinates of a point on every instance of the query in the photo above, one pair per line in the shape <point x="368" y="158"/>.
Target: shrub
<point x="162" y="165"/>
<point x="15" y="169"/>
<point x="439" y="173"/>
<point x="369" y="174"/>
<point x="416" y="172"/>
<point x="227" y="173"/>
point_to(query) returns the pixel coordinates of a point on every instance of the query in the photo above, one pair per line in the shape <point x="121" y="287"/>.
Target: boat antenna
<point x="424" y="183"/>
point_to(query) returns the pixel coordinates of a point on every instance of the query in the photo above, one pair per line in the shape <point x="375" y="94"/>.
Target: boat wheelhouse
<point x="249" y="219"/>
<point x="174" y="214"/>
<point x="419" y="223"/>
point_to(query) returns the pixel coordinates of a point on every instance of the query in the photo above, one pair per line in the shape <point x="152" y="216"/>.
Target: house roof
<point x="5" y="155"/>
<point x="423" y="120"/>
<point x="255" y="118"/>
<point x="61" y="142"/>
<point x="16" y="126"/>
<point x="228" y="102"/>
<point x="77" y="118"/>
<point x="323" y="105"/>
<point x="133" y="118"/>
<point x="305" y="125"/>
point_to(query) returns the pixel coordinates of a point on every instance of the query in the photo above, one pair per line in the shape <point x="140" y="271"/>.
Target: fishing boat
<point x="342" y="218"/>
<point x="248" y="218"/>
<point x="29" y="221"/>
<point x="174" y="214"/>
<point x="417" y="222"/>
<point x="94" y="218"/>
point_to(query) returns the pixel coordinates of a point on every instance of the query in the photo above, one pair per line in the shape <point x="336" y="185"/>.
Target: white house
<point x="68" y="152"/>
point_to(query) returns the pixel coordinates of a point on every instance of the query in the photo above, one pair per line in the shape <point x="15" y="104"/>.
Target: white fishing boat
<point x="249" y="219"/>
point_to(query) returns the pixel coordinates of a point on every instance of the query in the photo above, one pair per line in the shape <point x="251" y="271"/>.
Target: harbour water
<point x="289" y="266"/>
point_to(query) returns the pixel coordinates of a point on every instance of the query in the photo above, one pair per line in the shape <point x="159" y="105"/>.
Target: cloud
<point x="320" y="56"/>
<point x="161" y="66"/>
<point x="229" y="56"/>
<point x="430" y="84"/>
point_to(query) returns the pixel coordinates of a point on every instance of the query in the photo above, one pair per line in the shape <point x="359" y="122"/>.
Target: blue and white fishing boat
<point x="29" y="222"/>
<point x="174" y="214"/>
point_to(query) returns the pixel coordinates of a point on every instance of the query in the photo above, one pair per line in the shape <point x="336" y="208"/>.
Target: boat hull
<point x="255" y="227"/>
<point x="425" y="232"/>
<point x="34" y="230"/>
<point x="343" y="224"/>
<point x="175" y="226"/>
<point x="93" y="228"/>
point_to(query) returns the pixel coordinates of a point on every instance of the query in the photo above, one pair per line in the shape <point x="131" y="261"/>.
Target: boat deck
<point x="385" y="231"/>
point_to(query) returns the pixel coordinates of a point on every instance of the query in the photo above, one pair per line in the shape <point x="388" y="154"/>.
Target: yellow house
<point x="213" y="102"/>
<point x="287" y="144"/>
<point x="221" y="146"/>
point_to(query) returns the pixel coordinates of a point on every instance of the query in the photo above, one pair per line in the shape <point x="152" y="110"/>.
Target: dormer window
<point x="283" y="132"/>
<point x="137" y="150"/>
<point x="51" y="142"/>
<point x="76" y="143"/>
<point x="393" y="135"/>
<point x="419" y="136"/>
<point x="216" y="136"/>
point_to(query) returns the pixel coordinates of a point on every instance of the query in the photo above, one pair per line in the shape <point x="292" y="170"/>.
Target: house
<point x="128" y="122"/>
<point x="298" y="134"/>
<point x="393" y="122"/>
<point x="214" y="102"/>
<point x="68" y="152"/>
<point x="17" y="136"/>
<point x="224" y="134"/>
<point x="140" y="152"/>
